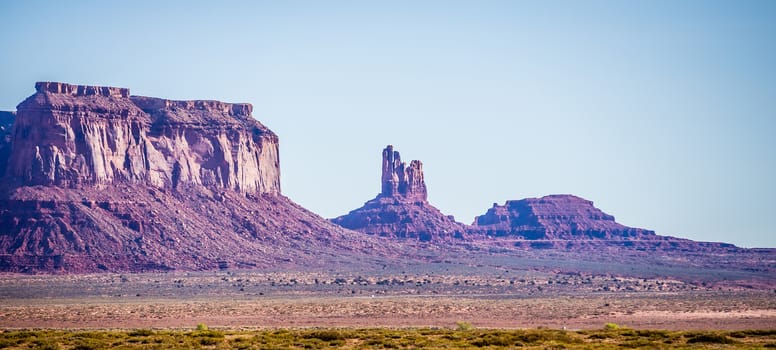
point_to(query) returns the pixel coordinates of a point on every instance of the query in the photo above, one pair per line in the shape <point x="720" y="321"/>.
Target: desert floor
<point x="282" y="300"/>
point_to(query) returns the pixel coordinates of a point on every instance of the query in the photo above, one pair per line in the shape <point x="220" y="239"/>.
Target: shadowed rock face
<point x="99" y="180"/>
<point x="401" y="210"/>
<point x="563" y="217"/>
<point x="6" y="124"/>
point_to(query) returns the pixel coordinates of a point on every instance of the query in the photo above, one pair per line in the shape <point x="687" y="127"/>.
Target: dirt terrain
<point x="494" y="298"/>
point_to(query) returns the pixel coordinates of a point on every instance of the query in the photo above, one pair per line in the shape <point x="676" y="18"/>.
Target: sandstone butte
<point x="95" y="179"/>
<point x="402" y="210"/>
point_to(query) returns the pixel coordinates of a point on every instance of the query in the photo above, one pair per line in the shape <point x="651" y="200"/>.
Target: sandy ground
<point x="689" y="311"/>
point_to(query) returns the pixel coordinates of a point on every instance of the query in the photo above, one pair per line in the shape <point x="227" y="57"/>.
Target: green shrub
<point x="208" y="334"/>
<point x="463" y="326"/>
<point x="86" y="346"/>
<point x="531" y="338"/>
<point x="209" y="341"/>
<point x="493" y="340"/>
<point x="601" y="336"/>
<point x="710" y="339"/>
<point x="46" y="345"/>
<point x="325" y="335"/>
<point x="759" y="332"/>
<point x="638" y="343"/>
<point x="611" y="327"/>
<point x="140" y="333"/>
<point x="201" y="327"/>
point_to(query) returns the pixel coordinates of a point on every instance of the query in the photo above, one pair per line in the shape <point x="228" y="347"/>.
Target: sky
<point x="661" y="112"/>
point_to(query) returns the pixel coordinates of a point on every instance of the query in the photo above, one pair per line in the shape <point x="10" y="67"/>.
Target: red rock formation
<point x="401" y="209"/>
<point x="71" y="135"/>
<point x="563" y="217"/>
<point x="6" y="124"/>
<point x="400" y="180"/>
<point x="99" y="180"/>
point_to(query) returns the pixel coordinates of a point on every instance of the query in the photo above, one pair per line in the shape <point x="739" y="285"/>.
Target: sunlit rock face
<point x="402" y="210"/>
<point x="73" y="135"/>
<point x="95" y="179"/>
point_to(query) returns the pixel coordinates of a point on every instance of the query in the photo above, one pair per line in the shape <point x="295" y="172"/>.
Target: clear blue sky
<point x="661" y="112"/>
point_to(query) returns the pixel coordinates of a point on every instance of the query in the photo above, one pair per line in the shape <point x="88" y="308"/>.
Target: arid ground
<point x="491" y="299"/>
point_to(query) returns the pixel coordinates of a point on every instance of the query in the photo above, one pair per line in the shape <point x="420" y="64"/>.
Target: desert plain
<point x="490" y="298"/>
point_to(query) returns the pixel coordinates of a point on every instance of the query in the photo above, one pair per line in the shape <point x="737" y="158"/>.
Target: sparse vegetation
<point x="383" y="338"/>
<point x="710" y="338"/>
<point x="463" y="326"/>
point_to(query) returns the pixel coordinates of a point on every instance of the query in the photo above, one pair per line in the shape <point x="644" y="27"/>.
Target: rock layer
<point x="71" y="135"/>
<point x="99" y="180"/>
<point x="6" y="124"/>
<point x="400" y="180"/>
<point x="401" y="210"/>
<point x="555" y="217"/>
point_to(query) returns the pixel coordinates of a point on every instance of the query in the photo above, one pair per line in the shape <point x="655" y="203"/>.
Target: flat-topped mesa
<point x="73" y="135"/>
<point x="80" y="90"/>
<point x="196" y="111"/>
<point x="562" y="217"/>
<point x="400" y="180"/>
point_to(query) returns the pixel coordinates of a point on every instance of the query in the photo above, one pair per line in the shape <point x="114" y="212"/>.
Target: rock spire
<point x="400" y="180"/>
<point x="401" y="210"/>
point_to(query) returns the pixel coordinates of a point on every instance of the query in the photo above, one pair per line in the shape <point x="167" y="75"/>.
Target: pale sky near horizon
<point x="661" y="112"/>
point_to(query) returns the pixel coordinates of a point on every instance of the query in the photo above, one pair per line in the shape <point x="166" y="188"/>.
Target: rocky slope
<point x="401" y="210"/>
<point x="99" y="180"/>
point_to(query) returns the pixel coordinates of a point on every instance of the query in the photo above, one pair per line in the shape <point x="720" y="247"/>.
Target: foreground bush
<point x="384" y="338"/>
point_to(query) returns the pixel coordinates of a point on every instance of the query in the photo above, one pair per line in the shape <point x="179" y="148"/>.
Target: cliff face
<point x="98" y="180"/>
<point x="401" y="210"/>
<point x="73" y="135"/>
<point x="563" y="217"/>
<point x="400" y="180"/>
<point x="6" y="124"/>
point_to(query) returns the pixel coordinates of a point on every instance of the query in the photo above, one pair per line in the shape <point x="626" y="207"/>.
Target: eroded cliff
<point x="99" y="180"/>
<point x="73" y="135"/>
<point x="6" y="124"/>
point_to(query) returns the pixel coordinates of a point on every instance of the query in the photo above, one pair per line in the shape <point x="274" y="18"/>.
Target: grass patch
<point x="382" y="338"/>
<point x="463" y="326"/>
<point x="710" y="339"/>
<point x="140" y="333"/>
<point x="327" y="336"/>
